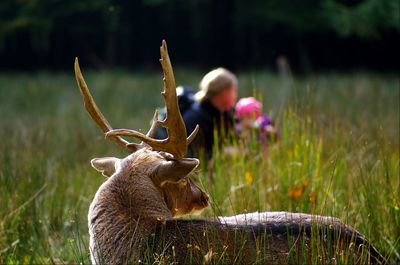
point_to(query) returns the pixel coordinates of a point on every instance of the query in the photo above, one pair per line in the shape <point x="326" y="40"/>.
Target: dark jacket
<point x="209" y="119"/>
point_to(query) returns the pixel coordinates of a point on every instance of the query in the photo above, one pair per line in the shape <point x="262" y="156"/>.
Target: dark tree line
<point x="313" y="34"/>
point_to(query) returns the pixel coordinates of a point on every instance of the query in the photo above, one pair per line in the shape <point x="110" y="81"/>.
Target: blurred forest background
<point x="312" y="34"/>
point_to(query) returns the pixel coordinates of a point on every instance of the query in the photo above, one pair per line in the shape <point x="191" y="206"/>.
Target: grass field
<point x="338" y="156"/>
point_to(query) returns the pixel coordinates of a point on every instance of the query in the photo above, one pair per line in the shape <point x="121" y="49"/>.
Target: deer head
<point x="162" y="160"/>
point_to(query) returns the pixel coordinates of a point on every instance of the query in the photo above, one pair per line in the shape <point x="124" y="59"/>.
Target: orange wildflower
<point x="312" y="197"/>
<point x="296" y="193"/>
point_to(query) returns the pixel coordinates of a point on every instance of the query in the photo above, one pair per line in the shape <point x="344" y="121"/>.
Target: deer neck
<point x="131" y="200"/>
<point x="139" y="198"/>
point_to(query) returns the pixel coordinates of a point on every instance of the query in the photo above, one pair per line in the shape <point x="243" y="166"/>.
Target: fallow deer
<point x="131" y="218"/>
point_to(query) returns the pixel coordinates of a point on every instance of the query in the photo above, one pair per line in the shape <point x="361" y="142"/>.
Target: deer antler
<point x="176" y="143"/>
<point x="98" y="117"/>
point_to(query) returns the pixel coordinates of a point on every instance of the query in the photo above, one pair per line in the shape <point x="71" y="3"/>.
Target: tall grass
<point x="338" y="155"/>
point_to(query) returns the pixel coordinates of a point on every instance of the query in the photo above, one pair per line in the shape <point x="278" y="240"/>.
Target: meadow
<point x="338" y="154"/>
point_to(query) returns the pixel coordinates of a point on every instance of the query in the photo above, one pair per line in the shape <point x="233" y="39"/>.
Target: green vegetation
<point x="339" y="155"/>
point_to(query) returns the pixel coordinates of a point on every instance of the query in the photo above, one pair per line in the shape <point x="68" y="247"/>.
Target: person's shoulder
<point x="193" y="110"/>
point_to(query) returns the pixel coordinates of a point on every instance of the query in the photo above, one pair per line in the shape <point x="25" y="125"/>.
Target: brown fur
<point x="131" y="219"/>
<point x="127" y="207"/>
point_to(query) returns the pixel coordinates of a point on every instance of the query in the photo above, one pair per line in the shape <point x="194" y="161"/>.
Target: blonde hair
<point x="214" y="82"/>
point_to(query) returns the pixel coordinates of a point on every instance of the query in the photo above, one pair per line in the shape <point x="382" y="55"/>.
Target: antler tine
<point x="177" y="140"/>
<point x="174" y="122"/>
<point x="151" y="133"/>
<point x="94" y="111"/>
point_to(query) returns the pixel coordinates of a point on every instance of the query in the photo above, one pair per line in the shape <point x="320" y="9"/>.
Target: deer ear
<point x="106" y="165"/>
<point x="175" y="170"/>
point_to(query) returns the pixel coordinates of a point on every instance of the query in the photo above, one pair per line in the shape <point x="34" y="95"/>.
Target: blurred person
<point x="212" y="110"/>
<point x="251" y="122"/>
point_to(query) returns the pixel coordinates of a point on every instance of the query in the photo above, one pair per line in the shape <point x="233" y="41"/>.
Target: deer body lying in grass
<point x="131" y="218"/>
